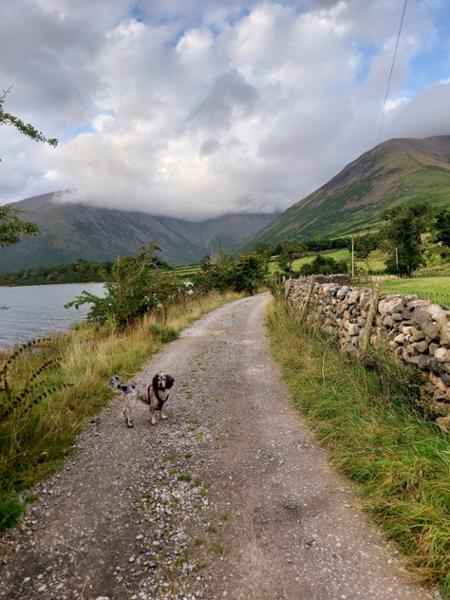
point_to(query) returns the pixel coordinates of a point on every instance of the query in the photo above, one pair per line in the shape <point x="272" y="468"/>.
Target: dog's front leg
<point x="163" y="414"/>
<point x="152" y="416"/>
<point x="128" y="411"/>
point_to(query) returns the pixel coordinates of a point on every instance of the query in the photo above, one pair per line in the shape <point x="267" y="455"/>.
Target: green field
<point x="186" y="270"/>
<point x="431" y="282"/>
<point x="436" y="289"/>
<point x="374" y="264"/>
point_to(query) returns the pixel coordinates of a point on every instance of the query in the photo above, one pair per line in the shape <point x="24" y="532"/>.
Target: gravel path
<point x="229" y="498"/>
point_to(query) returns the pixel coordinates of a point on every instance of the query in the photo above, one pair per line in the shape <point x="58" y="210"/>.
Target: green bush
<point x="223" y="272"/>
<point x="134" y="288"/>
<point x="323" y="265"/>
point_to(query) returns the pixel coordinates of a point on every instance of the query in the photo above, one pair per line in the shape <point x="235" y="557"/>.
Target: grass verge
<point x="37" y="436"/>
<point x="364" y="417"/>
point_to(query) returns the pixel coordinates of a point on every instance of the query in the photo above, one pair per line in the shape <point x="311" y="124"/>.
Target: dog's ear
<point x="169" y="381"/>
<point x="155" y="381"/>
<point x="113" y="381"/>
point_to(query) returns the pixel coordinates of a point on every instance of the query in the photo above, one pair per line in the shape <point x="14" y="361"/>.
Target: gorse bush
<point x="248" y="273"/>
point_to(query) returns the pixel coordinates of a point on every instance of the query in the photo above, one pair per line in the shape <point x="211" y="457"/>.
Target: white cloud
<point x="395" y="103"/>
<point x="196" y="109"/>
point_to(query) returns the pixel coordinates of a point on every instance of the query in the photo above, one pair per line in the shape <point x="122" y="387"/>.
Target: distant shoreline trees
<point x="81" y="271"/>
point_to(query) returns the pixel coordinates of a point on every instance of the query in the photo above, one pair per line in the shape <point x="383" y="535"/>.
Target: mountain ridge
<point x="395" y="172"/>
<point x="69" y="231"/>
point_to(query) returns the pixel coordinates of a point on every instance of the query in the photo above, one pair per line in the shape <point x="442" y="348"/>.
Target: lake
<point x="38" y="310"/>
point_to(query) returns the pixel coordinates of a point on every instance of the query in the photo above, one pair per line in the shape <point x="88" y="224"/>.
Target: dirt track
<point x="229" y="498"/>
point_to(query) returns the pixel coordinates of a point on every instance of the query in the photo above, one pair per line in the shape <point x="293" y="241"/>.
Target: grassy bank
<point x="400" y="462"/>
<point x="40" y="432"/>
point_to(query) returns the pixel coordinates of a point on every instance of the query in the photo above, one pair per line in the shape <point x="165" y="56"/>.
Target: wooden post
<point x="353" y="255"/>
<point x="368" y="327"/>
<point x="308" y="298"/>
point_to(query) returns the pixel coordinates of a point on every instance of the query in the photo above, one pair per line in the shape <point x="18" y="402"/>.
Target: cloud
<point x="196" y="109"/>
<point x="229" y="99"/>
<point x="425" y="115"/>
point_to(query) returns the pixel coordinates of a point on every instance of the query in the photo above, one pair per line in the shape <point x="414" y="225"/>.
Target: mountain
<point x="71" y="231"/>
<point x="396" y="172"/>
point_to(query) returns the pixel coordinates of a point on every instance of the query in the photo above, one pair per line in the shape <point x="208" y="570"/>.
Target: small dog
<point x="154" y="394"/>
<point x="129" y="392"/>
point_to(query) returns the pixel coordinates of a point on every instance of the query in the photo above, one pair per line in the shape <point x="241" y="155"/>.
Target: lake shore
<point x="38" y="311"/>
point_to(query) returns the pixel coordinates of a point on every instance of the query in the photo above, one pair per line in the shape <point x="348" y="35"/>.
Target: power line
<point x="391" y="71"/>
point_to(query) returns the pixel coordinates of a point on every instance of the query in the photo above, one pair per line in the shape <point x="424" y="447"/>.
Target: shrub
<point x="223" y="272"/>
<point x="323" y="265"/>
<point x="248" y="273"/>
<point x="135" y="287"/>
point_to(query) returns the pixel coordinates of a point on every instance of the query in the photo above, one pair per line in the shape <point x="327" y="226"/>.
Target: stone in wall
<point x="417" y="331"/>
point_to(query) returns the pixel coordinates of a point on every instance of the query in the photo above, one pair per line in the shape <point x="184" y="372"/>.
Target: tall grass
<point x="37" y="436"/>
<point x="400" y="461"/>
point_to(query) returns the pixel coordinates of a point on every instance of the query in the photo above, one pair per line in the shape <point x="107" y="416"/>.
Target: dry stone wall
<point x="417" y="331"/>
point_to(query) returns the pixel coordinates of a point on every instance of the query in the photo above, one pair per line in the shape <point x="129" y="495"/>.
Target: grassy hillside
<point x="396" y="172"/>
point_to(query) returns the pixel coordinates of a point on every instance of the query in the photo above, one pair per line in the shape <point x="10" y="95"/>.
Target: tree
<point x="11" y="226"/>
<point x="24" y="128"/>
<point x="402" y="235"/>
<point x="135" y="287"/>
<point x="323" y="265"/>
<point x="249" y="272"/>
<point x="215" y="273"/>
<point x="289" y="252"/>
<point x="263" y="250"/>
<point x="442" y="226"/>
<point x="364" y="245"/>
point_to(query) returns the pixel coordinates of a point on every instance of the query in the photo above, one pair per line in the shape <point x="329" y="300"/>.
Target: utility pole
<point x="396" y="259"/>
